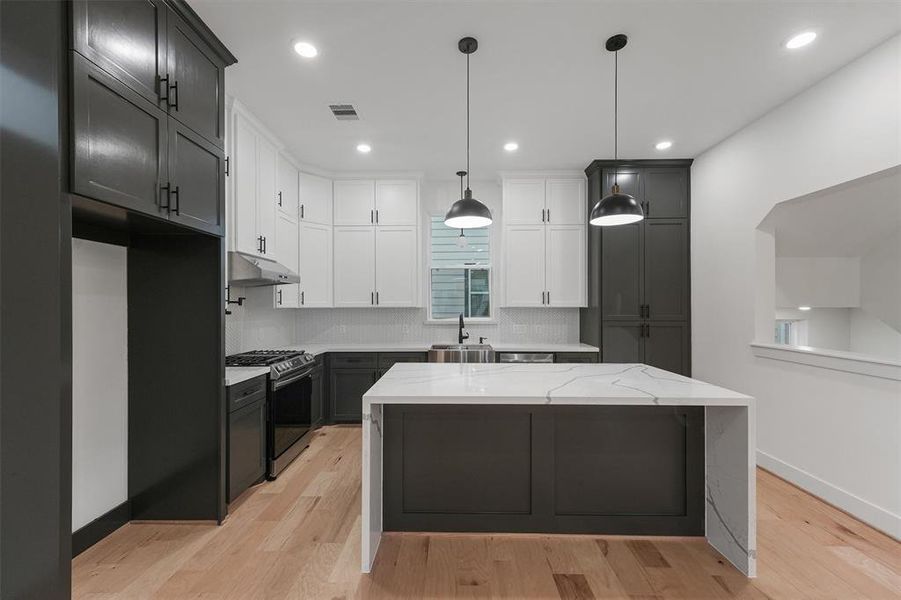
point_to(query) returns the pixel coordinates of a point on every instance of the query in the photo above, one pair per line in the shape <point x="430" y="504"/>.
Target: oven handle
<point x="280" y="383"/>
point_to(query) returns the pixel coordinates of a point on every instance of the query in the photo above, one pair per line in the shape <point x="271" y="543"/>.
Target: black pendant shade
<point x="616" y="208"/>
<point x="467" y="212"/>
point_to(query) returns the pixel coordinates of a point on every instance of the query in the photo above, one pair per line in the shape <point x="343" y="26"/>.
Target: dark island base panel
<point x="625" y="470"/>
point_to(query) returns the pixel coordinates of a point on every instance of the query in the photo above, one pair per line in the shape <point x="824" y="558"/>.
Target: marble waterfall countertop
<point x="498" y="383"/>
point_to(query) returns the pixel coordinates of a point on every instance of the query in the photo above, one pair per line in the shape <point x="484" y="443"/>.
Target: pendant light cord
<point x="467" y="122"/>
<point x="615" y="115"/>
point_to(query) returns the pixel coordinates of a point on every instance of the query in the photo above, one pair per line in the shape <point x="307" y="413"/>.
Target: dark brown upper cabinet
<point x="119" y="141"/>
<point x="196" y="181"/>
<point x="196" y="82"/>
<point x="127" y="39"/>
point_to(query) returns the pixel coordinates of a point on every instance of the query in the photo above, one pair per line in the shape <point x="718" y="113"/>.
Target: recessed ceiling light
<point x="511" y="146"/>
<point x="803" y="308"/>
<point x="664" y="145"/>
<point x="801" y="40"/>
<point x="306" y="49"/>
<point x="364" y="148"/>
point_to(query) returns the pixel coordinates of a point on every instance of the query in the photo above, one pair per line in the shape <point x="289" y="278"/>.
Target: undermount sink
<point x="461" y="353"/>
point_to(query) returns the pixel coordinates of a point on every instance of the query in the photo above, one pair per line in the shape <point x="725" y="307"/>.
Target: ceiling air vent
<point x="344" y="112"/>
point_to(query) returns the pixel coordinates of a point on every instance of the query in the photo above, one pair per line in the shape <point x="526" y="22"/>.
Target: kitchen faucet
<point x="461" y="335"/>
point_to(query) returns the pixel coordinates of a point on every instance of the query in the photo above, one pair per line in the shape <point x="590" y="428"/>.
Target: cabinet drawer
<point x="387" y="359"/>
<point x="246" y="392"/>
<point x="576" y="357"/>
<point x="354" y="359"/>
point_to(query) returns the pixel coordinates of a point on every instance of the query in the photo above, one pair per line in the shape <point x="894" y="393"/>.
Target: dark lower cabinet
<point x="576" y="357"/>
<point x="659" y="344"/>
<point x="346" y="388"/>
<point x="246" y="447"/>
<point x="386" y="360"/>
<point x="196" y="182"/>
<point x="119" y="142"/>
<point x="317" y="408"/>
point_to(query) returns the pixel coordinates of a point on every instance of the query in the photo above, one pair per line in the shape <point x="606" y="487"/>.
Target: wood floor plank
<point x="299" y="537"/>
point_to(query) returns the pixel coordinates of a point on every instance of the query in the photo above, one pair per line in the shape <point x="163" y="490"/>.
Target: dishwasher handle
<point x="523" y="357"/>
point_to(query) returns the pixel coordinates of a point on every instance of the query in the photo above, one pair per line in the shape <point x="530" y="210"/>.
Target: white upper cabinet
<point x="287" y="244"/>
<point x="266" y="195"/>
<point x="524" y="265"/>
<point x="545" y="242"/>
<point x="243" y="233"/>
<point x="565" y="201"/>
<point x="354" y="202"/>
<point x="565" y="259"/>
<point x="396" y="266"/>
<point x="315" y="265"/>
<point x="287" y="187"/>
<point x="524" y="201"/>
<point x="354" y="266"/>
<point x="315" y="199"/>
<point x="396" y="202"/>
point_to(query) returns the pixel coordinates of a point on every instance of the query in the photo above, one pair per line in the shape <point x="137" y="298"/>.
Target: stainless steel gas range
<point x="289" y="396"/>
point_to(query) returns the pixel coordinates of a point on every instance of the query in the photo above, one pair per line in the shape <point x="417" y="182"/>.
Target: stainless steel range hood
<point x="245" y="270"/>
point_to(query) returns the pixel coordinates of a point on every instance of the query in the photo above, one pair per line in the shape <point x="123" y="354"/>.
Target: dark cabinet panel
<point x="667" y="347"/>
<point x="346" y="388"/>
<point x="629" y="180"/>
<point x="126" y="38"/>
<point x="119" y="149"/>
<point x="387" y="360"/>
<point x="354" y="359"/>
<point x="622" y="258"/>
<point x="196" y="181"/>
<point x="666" y="269"/>
<point x="196" y="82"/>
<point x="246" y="448"/>
<point x="665" y="193"/>
<point x="316" y="410"/>
<point x="622" y="342"/>
<point x="576" y="357"/>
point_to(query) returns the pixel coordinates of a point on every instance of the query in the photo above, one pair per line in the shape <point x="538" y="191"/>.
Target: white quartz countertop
<point x="583" y="384"/>
<point x="316" y="349"/>
<point x="235" y="375"/>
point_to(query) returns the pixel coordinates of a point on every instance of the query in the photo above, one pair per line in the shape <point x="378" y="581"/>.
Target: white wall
<point x="99" y="380"/>
<point x="872" y="336"/>
<point x="817" y="281"/>
<point x="834" y="433"/>
<point x="880" y="279"/>
<point x="826" y="327"/>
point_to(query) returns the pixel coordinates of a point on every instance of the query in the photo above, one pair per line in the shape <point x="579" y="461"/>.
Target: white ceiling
<point x="846" y="220"/>
<point x="693" y="72"/>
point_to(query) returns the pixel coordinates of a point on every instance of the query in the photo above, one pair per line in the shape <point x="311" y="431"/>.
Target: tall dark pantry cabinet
<point x="639" y="294"/>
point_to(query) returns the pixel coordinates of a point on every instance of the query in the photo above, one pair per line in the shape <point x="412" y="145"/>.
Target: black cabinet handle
<point x="542" y="220"/>
<point x="548" y="215"/>
<point x="301" y="211"/>
<point x="548" y="292"/>
<point x="647" y="330"/>
<point x="279" y="297"/>
<point x="260" y="244"/>
<point x="371" y="216"/>
<point x="226" y="166"/>
<point x="164" y="89"/>
<point x="301" y="297"/>
<point x="279" y="198"/>
<point x="372" y="298"/>
<point x="177" y="208"/>
<point x="174" y="93"/>
<point x="168" y="204"/>
<point x="265" y="245"/>
<point x="376" y="297"/>
<point x="647" y="311"/>
<point x="376" y="220"/>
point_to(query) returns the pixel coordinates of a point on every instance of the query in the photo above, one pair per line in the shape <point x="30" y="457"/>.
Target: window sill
<point x="456" y="322"/>
<point x="836" y="360"/>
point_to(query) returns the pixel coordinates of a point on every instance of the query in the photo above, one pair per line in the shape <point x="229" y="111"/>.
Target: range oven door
<point x="290" y="419"/>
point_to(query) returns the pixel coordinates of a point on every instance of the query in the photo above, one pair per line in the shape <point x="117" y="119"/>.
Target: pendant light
<point x="462" y="242"/>
<point x="467" y="212"/>
<point x="617" y="208"/>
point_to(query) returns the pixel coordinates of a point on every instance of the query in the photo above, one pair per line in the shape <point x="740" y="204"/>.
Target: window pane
<point x="446" y="252"/>
<point x="448" y="293"/>
<point x="461" y="278"/>
<point x="479" y="305"/>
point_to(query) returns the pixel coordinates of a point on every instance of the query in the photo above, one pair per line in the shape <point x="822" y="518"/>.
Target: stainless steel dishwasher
<point x="525" y="357"/>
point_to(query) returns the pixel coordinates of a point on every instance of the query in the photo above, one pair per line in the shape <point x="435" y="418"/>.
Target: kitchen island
<point x="558" y="448"/>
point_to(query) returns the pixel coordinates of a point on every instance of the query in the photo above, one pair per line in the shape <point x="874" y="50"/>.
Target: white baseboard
<point x="869" y="513"/>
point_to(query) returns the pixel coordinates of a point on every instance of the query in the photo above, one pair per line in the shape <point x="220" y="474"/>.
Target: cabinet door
<point x="666" y="346"/>
<point x="315" y="265"/>
<point x="565" y="201"/>
<point x="315" y="199"/>
<point x="316" y="406"/>
<point x="288" y="191"/>
<point x="354" y="202"/>
<point x="246" y="448"/>
<point x="523" y="201"/>
<point x="629" y="180"/>
<point x="666" y="269"/>
<point x="196" y="180"/>
<point x="565" y="265"/>
<point x="125" y="38"/>
<point x="396" y="202"/>
<point x="346" y="389"/>
<point x="524" y="265"/>
<point x="622" y="343"/>
<point x="396" y="266"/>
<point x="622" y="261"/>
<point x="354" y="270"/>
<point x="119" y="150"/>
<point x="244" y="185"/>
<point x="266" y="196"/>
<point x="196" y="95"/>
<point x="287" y="248"/>
<point x="666" y="193"/>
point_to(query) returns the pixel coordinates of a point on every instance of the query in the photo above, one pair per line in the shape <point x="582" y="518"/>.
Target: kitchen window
<point x="460" y="272"/>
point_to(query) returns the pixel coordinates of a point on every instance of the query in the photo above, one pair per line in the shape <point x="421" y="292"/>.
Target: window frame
<point x="492" y="308"/>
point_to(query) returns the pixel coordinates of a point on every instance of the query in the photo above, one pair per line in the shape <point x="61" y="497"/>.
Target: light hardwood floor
<point x="299" y="537"/>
